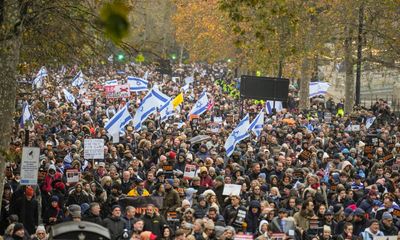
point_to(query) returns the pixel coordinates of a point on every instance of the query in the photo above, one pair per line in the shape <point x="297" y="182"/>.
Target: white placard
<point x="73" y="175"/>
<point x="385" y="238"/>
<point x="355" y="128"/>
<point x="231" y="189"/>
<point x="190" y="171"/>
<point x="93" y="149"/>
<point x="29" y="166"/>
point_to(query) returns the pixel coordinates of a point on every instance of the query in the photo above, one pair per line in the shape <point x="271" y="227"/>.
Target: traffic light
<point x="120" y="57"/>
<point x="173" y="56"/>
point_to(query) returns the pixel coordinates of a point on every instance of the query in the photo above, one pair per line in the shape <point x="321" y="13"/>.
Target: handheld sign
<point x="231" y="189"/>
<point x="93" y="149"/>
<point x="29" y="165"/>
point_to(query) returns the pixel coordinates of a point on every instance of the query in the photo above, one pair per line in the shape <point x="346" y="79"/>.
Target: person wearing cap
<point x="75" y="212"/>
<point x="26" y="208"/>
<point x="372" y="231"/>
<point x="115" y="223"/>
<point x="387" y="226"/>
<point x="53" y="213"/>
<point x="171" y="198"/>
<point x="360" y="223"/>
<point x="276" y="225"/>
<point x="328" y="220"/>
<point x="348" y="217"/>
<point x="40" y="233"/>
<point x="200" y="208"/>
<point x="18" y="232"/>
<point x="205" y="180"/>
<point x="93" y="215"/>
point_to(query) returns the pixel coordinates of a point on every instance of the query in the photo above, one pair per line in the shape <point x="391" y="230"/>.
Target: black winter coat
<point x="27" y="212"/>
<point x="116" y="227"/>
<point x="153" y="224"/>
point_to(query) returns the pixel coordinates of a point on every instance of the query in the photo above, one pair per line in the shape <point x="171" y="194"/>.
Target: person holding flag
<point x="237" y="135"/>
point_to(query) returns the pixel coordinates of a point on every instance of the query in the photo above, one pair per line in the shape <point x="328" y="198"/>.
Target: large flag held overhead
<point x="166" y="111"/>
<point x="38" y="81"/>
<point x="269" y="105"/>
<point x="137" y="84"/>
<point x="69" y="97"/>
<point x="257" y="124"/>
<point x="318" y="88"/>
<point x="153" y="100"/>
<point x="177" y="100"/>
<point x="78" y="80"/>
<point x="201" y="105"/>
<point x="26" y="115"/>
<point x="237" y="135"/>
<point x="119" y="120"/>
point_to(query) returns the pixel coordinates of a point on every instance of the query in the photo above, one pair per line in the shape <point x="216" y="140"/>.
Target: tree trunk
<point x="304" y="84"/>
<point x="359" y="51"/>
<point x="9" y="55"/>
<point x="349" y="81"/>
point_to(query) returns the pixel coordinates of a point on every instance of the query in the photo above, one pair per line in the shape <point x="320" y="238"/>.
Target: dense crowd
<point x="316" y="174"/>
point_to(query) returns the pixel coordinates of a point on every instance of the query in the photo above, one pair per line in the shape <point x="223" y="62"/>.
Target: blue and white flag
<point x="237" y="135"/>
<point x="201" y="105"/>
<point x="269" y="105"/>
<point x="153" y="100"/>
<point x="119" y="120"/>
<point x="318" y="88"/>
<point x="137" y="84"/>
<point x="78" y="80"/>
<point x="111" y="82"/>
<point x="63" y="70"/>
<point x="189" y="79"/>
<point x="257" y="124"/>
<point x="185" y="88"/>
<point x="69" y="97"/>
<point x="26" y="115"/>
<point x="146" y="75"/>
<point x="369" y="122"/>
<point x="166" y="111"/>
<point x="38" y="81"/>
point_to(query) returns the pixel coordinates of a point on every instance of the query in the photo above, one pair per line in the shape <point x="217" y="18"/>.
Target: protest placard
<point x="93" y="149"/>
<point x="190" y="171"/>
<point x="231" y="189"/>
<point x="73" y="175"/>
<point x="29" y="165"/>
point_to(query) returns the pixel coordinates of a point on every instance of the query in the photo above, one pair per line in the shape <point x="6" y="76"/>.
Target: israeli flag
<point x="166" y="111"/>
<point x="201" y="105"/>
<point x="185" y="88"/>
<point x="369" y="122"/>
<point x="189" y="79"/>
<point x="146" y="75"/>
<point x="38" y="81"/>
<point x="111" y="82"/>
<point x="257" y="124"/>
<point x="153" y="100"/>
<point x="237" y="135"/>
<point x="318" y="88"/>
<point x="269" y="105"/>
<point x="26" y="115"/>
<point x="137" y="84"/>
<point x="119" y="120"/>
<point x="69" y="97"/>
<point x="63" y="70"/>
<point x="78" y="80"/>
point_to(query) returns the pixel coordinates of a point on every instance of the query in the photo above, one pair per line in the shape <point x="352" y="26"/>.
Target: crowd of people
<point x="307" y="176"/>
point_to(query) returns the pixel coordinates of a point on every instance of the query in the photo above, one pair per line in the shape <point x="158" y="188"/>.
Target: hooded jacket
<point x="252" y="219"/>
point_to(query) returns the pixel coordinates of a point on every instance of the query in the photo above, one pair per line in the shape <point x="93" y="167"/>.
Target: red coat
<point x="48" y="180"/>
<point x="206" y="182"/>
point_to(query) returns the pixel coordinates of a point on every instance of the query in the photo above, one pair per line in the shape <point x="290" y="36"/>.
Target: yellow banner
<point x="177" y="100"/>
